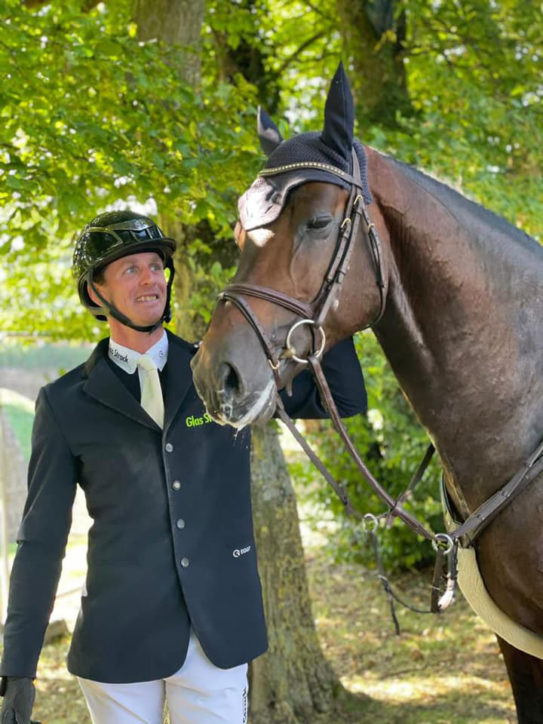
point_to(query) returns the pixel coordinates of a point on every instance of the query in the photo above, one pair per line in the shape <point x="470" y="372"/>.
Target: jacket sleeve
<point x="47" y="516"/>
<point x="344" y="376"/>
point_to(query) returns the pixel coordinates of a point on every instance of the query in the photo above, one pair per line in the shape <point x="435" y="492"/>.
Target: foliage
<point x="43" y="356"/>
<point x="18" y="411"/>
<point x="93" y="118"/>
<point x="474" y="81"/>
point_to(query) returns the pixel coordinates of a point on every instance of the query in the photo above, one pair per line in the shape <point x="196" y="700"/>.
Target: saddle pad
<point x="474" y="590"/>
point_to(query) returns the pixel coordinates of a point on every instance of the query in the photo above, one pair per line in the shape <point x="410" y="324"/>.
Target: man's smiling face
<point x="136" y="286"/>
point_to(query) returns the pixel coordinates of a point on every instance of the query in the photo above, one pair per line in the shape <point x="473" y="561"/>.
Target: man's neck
<point x="131" y="338"/>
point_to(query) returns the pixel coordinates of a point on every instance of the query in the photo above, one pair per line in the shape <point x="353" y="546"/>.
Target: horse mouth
<point x="238" y="413"/>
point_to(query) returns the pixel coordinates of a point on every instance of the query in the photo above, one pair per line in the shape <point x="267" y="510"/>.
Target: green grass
<point x="19" y="412"/>
<point x="441" y="670"/>
<point x="43" y="356"/>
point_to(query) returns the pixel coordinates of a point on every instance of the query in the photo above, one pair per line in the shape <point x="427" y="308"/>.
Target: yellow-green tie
<point x="151" y="391"/>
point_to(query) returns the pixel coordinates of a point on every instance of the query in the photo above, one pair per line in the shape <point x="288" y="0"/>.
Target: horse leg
<point x="526" y="677"/>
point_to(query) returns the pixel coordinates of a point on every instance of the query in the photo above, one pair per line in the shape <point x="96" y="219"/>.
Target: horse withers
<point x="454" y="295"/>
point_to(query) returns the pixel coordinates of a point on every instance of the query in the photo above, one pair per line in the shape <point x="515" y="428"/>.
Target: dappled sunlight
<point x="426" y="688"/>
<point x="440" y="669"/>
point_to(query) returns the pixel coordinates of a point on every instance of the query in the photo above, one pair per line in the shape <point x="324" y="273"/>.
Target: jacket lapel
<point x="104" y="386"/>
<point x="177" y="376"/>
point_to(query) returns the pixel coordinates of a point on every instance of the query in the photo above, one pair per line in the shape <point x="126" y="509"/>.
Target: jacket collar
<point x="103" y="385"/>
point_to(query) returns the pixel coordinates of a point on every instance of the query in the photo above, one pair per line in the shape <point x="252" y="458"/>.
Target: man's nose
<point x="146" y="276"/>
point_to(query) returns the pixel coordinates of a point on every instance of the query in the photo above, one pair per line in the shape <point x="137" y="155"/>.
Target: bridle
<point x="314" y="313"/>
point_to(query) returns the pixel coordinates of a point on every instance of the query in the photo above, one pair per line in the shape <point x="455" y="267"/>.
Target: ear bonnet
<point x="325" y="156"/>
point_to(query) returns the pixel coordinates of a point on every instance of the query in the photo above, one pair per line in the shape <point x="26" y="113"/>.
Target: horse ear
<point x="339" y="115"/>
<point x="268" y="133"/>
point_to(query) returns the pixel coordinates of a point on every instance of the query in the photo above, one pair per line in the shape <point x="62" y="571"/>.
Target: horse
<point x="454" y="295"/>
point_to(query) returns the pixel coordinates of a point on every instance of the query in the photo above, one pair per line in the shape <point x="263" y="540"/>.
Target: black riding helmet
<point x="111" y="236"/>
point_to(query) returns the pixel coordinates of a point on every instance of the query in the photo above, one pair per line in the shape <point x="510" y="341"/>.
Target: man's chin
<point x="146" y="320"/>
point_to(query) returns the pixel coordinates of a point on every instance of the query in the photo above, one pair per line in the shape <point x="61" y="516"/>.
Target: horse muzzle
<point x="232" y="377"/>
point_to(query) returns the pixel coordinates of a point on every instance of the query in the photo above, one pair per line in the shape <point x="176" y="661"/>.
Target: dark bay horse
<point x="455" y="298"/>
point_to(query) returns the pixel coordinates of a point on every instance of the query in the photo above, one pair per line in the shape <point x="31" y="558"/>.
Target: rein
<point x="313" y="315"/>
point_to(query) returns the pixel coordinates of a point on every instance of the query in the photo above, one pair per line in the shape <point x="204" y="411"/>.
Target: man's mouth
<point x="147" y="298"/>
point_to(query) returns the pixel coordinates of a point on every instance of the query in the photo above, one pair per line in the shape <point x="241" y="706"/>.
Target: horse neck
<point x="461" y="326"/>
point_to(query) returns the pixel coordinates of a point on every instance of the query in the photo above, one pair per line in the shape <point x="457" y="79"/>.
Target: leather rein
<point x="313" y="315"/>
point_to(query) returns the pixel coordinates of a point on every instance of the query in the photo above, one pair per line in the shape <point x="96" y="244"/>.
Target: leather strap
<point x="474" y="525"/>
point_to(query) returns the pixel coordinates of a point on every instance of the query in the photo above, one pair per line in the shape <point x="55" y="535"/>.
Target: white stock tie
<point x="151" y="391"/>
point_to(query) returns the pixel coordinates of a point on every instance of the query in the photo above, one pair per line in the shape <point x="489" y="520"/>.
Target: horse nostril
<point x="230" y="379"/>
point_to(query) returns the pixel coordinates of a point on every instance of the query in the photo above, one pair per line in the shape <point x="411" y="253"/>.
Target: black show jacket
<point x="171" y="544"/>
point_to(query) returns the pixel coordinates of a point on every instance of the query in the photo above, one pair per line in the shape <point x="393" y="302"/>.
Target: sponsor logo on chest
<point x="195" y="421"/>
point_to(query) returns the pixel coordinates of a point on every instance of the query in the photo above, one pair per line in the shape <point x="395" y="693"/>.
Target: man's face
<point x="136" y="285"/>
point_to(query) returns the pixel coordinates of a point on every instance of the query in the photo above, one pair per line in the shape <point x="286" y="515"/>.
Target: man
<point x="172" y="605"/>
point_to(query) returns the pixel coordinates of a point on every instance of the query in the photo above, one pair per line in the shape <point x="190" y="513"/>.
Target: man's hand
<point x="19" y="695"/>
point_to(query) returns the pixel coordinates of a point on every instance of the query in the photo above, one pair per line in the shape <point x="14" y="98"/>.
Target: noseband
<point x="313" y="314"/>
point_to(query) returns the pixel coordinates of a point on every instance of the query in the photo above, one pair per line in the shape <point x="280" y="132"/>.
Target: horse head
<point x="304" y="281"/>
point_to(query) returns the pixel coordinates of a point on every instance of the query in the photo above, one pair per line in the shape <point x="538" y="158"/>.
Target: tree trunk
<point x="176" y="22"/>
<point x="292" y="681"/>
<point x="374" y="44"/>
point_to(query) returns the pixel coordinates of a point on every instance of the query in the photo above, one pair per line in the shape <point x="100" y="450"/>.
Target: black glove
<point x="19" y="695"/>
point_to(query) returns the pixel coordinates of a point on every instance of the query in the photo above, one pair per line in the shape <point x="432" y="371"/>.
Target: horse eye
<point x="319" y="222"/>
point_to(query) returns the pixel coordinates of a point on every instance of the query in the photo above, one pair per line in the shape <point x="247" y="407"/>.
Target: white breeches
<point x="199" y="693"/>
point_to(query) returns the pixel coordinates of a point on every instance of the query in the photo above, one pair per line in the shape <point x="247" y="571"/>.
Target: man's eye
<point x="157" y="267"/>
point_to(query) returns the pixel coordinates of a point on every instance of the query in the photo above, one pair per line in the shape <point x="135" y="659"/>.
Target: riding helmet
<point x="111" y="236"/>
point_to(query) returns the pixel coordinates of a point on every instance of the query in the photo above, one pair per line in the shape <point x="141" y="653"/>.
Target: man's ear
<point x="92" y="294"/>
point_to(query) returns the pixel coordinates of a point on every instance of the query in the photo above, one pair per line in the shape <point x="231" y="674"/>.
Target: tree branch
<point x="284" y="65"/>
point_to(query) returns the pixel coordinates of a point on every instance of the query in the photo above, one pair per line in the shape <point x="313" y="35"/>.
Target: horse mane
<point x="463" y="207"/>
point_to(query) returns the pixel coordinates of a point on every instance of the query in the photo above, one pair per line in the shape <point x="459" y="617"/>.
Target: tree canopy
<point x="94" y="117"/>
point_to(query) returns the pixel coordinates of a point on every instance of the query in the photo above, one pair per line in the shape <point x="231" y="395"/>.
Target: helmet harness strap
<point x="110" y="309"/>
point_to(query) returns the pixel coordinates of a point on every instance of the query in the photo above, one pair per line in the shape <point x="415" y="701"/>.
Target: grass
<point x="440" y="670"/>
<point x="19" y="411"/>
<point x="43" y="356"/>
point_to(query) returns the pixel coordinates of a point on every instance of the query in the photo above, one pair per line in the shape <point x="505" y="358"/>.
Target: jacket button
<point x="176" y="485"/>
<point x="185" y="562"/>
<point x="180" y="524"/>
<point x="169" y="447"/>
